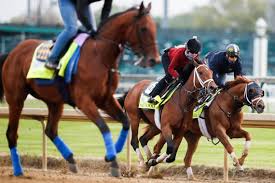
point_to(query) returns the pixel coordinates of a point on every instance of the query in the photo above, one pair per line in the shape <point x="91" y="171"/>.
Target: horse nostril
<point x="261" y="106"/>
<point x="152" y="62"/>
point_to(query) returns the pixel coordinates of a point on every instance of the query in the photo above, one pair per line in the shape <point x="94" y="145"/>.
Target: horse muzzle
<point x="147" y="62"/>
<point x="258" y="105"/>
<point x="212" y="88"/>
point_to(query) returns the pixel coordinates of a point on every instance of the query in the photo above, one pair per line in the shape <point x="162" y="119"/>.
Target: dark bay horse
<point x="174" y="112"/>
<point x="223" y="119"/>
<point x="92" y="87"/>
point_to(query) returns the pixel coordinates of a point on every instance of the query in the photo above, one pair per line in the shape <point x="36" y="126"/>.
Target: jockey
<point x="223" y="62"/>
<point x="175" y="62"/>
<point x="71" y="11"/>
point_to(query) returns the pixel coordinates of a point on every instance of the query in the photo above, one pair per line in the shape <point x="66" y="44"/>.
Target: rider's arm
<point x="219" y="79"/>
<point x="238" y="69"/>
<point x="172" y="65"/>
<point x="106" y="9"/>
<point x="80" y="6"/>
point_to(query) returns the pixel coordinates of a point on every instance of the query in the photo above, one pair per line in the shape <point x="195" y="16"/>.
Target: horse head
<point x="203" y="77"/>
<point x="141" y="37"/>
<point x="249" y="93"/>
<point x="253" y="95"/>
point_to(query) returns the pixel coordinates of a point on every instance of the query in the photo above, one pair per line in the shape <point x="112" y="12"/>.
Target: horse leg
<point x="134" y="122"/>
<point x="240" y="133"/>
<point x="89" y="108"/>
<point x="167" y="134"/>
<point x="55" y="111"/>
<point x="112" y="108"/>
<point x="148" y="135"/>
<point x="221" y="135"/>
<point x="15" y="110"/>
<point x="158" y="146"/>
<point x="192" y="142"/>
<point x="177" y="140"/>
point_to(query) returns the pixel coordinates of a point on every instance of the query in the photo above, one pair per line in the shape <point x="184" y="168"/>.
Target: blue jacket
<point x="219" y="64"/>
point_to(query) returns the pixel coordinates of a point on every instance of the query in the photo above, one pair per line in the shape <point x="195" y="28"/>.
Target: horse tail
<point x="2" y="60"/>
<point x="122" y="99"/>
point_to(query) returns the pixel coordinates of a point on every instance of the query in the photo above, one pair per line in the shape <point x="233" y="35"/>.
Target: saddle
<point x="164" y="96"/>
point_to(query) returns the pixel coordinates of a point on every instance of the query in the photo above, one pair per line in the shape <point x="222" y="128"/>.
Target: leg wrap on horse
<point x="121" y="140"/>
<point x="15" y="158"/>
<point x="109" y="145"/>
<point x="63" y="148"/>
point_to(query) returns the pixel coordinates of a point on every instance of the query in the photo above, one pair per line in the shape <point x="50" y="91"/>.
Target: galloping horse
<point x="92" y="87"/>
<point x="174" y="112"/>
<point x="223" y="119"/>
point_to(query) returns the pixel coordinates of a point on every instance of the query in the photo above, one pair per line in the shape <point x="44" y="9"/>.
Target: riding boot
<point x="51" y="64"/>
<point x="164" y="82"/>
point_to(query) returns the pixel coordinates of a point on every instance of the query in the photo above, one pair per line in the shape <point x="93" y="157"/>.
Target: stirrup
<point x="151" y="100"/>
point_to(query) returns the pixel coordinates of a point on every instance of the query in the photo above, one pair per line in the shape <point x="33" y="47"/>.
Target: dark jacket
<point x="81" y="4"/>
<point x="218" y="63"/>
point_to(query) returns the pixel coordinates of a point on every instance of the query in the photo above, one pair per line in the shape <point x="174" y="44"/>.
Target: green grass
<point x="86" y="141"/>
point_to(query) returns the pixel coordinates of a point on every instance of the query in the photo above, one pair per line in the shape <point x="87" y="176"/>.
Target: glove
<point x="92" y="33"/>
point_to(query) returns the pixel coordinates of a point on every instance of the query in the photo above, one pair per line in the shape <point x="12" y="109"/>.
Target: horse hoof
<point x="115" y="172"/>
<point x="240" y="169"/>
<point x="73" y="168"/>
<point x="152" y="162"/>
<point x="192" y="178"/>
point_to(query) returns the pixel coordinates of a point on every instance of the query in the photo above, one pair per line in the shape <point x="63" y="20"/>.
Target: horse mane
<point x="110" y="18"/>
<point x="238" y="80"/>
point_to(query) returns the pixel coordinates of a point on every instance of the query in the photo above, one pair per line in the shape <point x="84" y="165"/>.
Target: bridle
<point x="247" y="99"/>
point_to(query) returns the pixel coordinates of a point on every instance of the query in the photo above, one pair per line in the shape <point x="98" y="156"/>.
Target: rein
<point x="187" y="107"/>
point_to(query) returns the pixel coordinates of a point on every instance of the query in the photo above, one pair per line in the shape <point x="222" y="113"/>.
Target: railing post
<point x="44" y="146"/>
<point x="225" y="168"/>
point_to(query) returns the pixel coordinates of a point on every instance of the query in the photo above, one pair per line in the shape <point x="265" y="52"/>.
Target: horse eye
<point x="143" y="29"/>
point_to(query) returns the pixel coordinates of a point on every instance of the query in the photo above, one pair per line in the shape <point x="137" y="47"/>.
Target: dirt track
<point x="97" y="171"/>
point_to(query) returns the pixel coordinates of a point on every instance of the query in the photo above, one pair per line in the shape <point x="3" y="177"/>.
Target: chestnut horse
<point x="174" y="112"/>
<point x="92" y="87"/>
<point x="223" y="119"/>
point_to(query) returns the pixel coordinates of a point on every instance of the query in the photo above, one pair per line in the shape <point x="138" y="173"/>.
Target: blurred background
<point x="248" y="23"/>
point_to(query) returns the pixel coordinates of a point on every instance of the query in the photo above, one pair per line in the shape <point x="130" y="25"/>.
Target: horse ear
<point x="141" y="8"/>
<point x="148" y="9"/>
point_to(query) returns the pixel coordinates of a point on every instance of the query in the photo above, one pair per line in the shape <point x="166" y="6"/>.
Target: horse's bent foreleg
<point x="150" y="132"/>
<point x="221" y="135"/>
<point x="167" y="135"/>
<point x="88" y="107"/>
<point x="55" y="112"/>
<point x="177" y="140"/>
<point x="113" y="108"/>
<point x="14" y="111"/>
<point x="240" y="133"/>
<point x="192" y="142"/>
<point x="158" y="146"/>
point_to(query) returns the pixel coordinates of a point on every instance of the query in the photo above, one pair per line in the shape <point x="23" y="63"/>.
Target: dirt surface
<point x="97" y="170"/>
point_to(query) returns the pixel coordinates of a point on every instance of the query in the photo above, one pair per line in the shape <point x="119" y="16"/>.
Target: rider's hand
<point x="92" y="33"/>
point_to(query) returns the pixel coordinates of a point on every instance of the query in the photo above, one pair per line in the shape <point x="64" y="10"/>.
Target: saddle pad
<point x="143" y="101"/>
<point x="37" y="68"/>
<point x="44" y="51"/>
<point x="71" y="57"/>
<point x="199" y="109"/>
